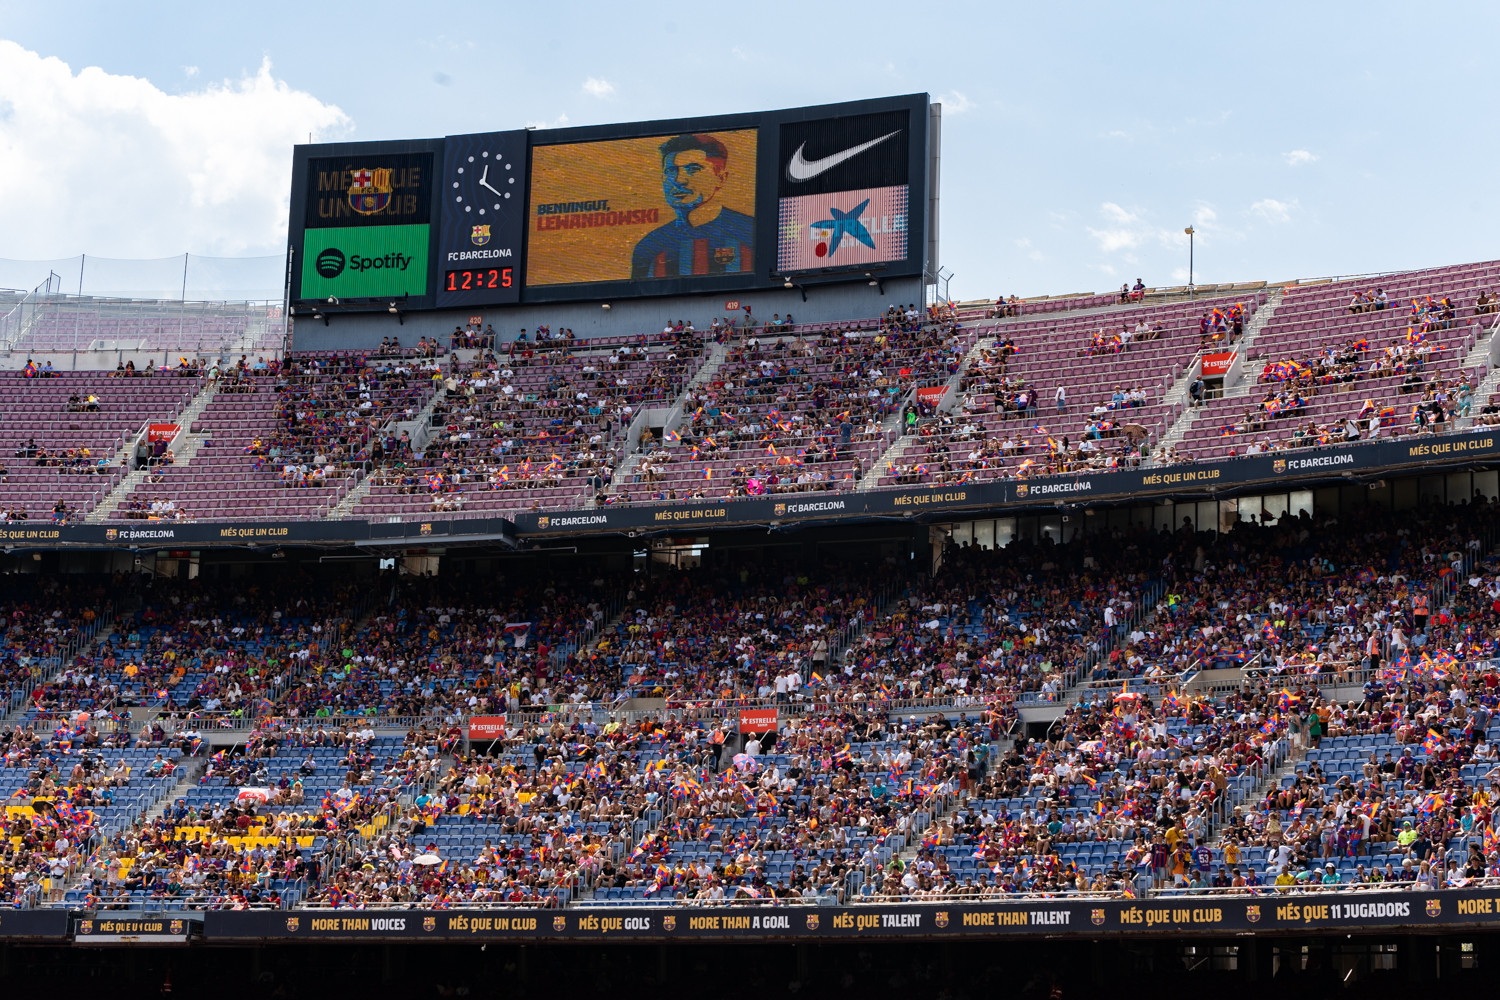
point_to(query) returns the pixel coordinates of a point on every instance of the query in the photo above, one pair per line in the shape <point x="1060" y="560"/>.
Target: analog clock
<point x="481" y="183"/>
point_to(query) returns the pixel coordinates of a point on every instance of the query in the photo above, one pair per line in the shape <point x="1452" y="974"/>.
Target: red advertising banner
<point x="932" y="393"/>
<point x="486" y="727"/>
<point x="161" y="432"/>
<point x="1217" y="365"/>
<point x="757" y="720"/>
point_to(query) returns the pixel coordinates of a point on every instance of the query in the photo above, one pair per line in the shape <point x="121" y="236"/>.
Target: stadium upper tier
<point x="947" y="395"/>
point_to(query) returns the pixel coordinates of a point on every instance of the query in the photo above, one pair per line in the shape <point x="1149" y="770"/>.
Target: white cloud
<point x="1274" y="211"/>
<point x="1023" y="242"/>
<point x="955" y="103"/>
<point x="1127" y="230"/>
<point x="1298" y="157"/>
<point x="101" y="163"/>
<point x="1124" y="231"/>
<point x="190" y="71"/>
<point x="598" y="87"/>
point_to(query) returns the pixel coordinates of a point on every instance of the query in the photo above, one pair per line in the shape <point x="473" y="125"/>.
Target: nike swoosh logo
<point x="799" y="169"/>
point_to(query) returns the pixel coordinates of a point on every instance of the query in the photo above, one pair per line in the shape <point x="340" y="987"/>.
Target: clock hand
<point x="484" y="180"/>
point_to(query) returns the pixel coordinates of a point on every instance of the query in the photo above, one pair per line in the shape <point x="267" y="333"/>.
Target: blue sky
<point x="1079" y="139"/>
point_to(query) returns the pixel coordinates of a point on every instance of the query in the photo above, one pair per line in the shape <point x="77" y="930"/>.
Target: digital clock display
<point x="475" y="279"/>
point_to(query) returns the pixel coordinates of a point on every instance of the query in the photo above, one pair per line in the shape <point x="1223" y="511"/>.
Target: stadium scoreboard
<point x="733" y="203"/>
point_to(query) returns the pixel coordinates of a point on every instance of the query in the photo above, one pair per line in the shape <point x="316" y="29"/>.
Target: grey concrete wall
<point x="830" y="304"/>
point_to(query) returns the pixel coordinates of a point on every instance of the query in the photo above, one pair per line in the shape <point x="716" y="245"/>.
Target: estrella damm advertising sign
<point x="365" y="262"/>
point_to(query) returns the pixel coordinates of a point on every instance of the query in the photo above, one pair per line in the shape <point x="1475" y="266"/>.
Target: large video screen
<point x="369" y="188"/>
<point x="365" y="262"/>
<point x="843" y="192"/>
<point x="665" y="206"/>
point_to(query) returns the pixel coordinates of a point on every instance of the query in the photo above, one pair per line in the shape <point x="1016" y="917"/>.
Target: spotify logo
<point x="330" y="263"/>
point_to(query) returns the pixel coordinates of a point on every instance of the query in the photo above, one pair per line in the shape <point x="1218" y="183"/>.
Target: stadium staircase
<point x="1141" y="617"/>
<point x="624" y="473"/>
<point x="194" y="768"/>
<point x="712" y="362"/>
<point x="892" y="424"/>
<point x="887" y="459"/>
<point x="83" y="647"/>
<point x="182" y="448"/>
<point x="345" y="507"/>
<point x="1294" y="759"/>
<point x="420" y="429"/>
<point x="1483" y="357"/>
<point x="1178" y="393"/>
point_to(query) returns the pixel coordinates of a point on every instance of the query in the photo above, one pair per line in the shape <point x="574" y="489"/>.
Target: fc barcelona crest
<point x="1252" y="914"/>
<point x="1278" y="465"/>
<point x="1097" y="917"/>
<point x="429" y="923"/>
<point x="812" y="921"/>
<point x="85" y="927"/>
<point x="1022" y="490"/>
<point x="1434" y="907"/>
<point x="559" y="923"/>
<point x="940" y="918"/>
<point x="480" y="235"/>
<point x="543" y="521"/>
<point x="370" y="190"/>
<point x="111" y="534"/>
<point x="779" y="509"/>
<point x="669" y="922"/>
<point x="424" y="529"/>
<point x="292" y="923"/>
<point x="175" y="927"/>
